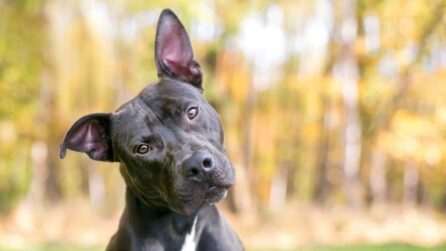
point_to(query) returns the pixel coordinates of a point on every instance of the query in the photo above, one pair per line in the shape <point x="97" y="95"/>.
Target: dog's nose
<point x="199" y="165"/>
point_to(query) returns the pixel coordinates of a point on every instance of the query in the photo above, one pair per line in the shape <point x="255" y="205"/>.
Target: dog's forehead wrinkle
<point x="150" y="117"/>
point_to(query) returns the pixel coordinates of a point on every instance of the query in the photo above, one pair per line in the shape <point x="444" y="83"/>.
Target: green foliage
<point x="21" y="57"/>
<point x="21" y="61"/>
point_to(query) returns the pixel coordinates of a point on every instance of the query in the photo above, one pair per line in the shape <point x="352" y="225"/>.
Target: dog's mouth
<point x="207" y="195"/>
<point x="215" y="194"/>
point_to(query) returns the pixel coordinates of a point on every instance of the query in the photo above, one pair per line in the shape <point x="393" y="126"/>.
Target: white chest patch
<point x="189" y="243"/>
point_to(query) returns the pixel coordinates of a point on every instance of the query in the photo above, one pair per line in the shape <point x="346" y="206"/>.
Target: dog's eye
<point x="142" y="149"/>
<point x="192" y="112"/>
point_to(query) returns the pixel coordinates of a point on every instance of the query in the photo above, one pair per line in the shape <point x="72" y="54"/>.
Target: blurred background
<point x="334" y="113"/>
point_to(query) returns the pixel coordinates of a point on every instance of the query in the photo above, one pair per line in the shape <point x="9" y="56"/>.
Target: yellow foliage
<point x="414" y="138"/>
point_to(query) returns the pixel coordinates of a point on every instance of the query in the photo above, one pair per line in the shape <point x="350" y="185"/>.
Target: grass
<point x="359" y="247"/>
<point x="51" y="247"/>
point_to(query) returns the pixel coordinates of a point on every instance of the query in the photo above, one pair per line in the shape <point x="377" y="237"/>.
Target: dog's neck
<point x="153" y="202"/>
<point x="142" y="210"/>
<point x="143" y="215"/>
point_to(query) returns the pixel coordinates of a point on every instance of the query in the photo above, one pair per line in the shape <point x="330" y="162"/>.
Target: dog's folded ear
<point x="173" y="51"/>
<point x="91" y="135"/>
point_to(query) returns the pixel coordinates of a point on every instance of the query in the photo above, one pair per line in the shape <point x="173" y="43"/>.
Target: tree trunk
<point x="378" y="185"/>
<point x="96" y="186"/>
<point x="411" y="181"/>
<point x="352" y="129"/>
<point x="247" y="150"/>
<point x="39" y="154"/>
<point x="48" y="117"/>
<point x="279" y="186"/>
<point x="322" y="184"/>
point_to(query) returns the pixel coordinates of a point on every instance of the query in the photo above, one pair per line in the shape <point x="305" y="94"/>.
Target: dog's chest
<point x="189" y="242"/>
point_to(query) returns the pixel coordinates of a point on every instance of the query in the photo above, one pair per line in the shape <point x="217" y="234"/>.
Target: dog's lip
<point x="225" y="183"/>
<point x="220" y="185"/>
<point x="215" y="193"/>
<point x="216" y="189"/>
<point x="213" y="189"/>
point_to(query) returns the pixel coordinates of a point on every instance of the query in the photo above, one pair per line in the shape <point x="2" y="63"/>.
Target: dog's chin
<point x="214" y="194"/>
<point x="211" y="196"/>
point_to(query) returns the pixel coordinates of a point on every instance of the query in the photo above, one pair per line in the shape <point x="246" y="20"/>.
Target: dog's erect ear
<point x="91" y="135"/>
<point x="173" y="51"/>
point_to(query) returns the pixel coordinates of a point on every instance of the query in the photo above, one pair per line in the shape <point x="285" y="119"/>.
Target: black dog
<point x="169" y="142"/>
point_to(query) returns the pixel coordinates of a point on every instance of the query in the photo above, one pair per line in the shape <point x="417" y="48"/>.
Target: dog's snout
<point x="199" y="165"/>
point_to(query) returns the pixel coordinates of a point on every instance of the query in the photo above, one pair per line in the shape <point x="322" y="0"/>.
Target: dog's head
<point x="168" y="139"/>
